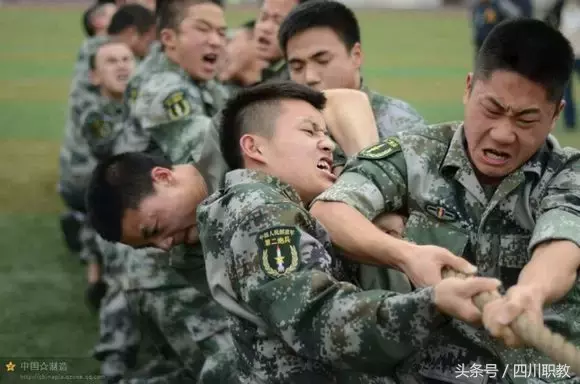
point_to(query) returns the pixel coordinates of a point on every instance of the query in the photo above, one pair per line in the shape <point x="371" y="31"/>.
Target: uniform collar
<point x="250" y="176"/>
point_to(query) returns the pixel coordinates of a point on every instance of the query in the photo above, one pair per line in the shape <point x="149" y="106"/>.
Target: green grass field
<point x="420" y="57"/>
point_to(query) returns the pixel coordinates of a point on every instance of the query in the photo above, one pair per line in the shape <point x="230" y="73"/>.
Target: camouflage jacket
<point x="276" y="71"/>
<point x="392" y="116"/>
<point x="427" y="174"/>
<point x="297" y="318"/>
<point x="93" y="124"/>
<point x="168" y="107"/>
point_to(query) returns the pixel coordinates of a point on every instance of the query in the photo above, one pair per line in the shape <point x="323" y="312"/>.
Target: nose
<point x="267" y="27"/>
<point x="503" y="132"/>
<point x="216" y="40"/>
<point x="326" y="144"/>
<point x="311" y="76"/>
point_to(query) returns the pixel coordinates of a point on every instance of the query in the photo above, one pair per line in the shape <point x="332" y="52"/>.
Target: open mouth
<point x="325" y="165"/>
<point x="210" y="58"/>
<point x="496" y="156"/>
<point x="262" y="41"/>
<point x="123" y="77"/>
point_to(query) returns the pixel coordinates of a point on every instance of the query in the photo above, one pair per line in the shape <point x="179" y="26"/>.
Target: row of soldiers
<point x="234" y="242"/>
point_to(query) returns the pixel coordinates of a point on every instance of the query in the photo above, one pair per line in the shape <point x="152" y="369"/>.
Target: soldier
<point x="134" y="25"/>
<point x="321" y="42"/>
<point x="322" y="45"/>
<point x="96" y="19"/>
<point x="297" y="315"/>
<point x="174" y="91"/>
<point x="76" y="160"/>
<point x="100" y="118"/>
<point x="241" y="65"/>
<point x="171" y="99"/>
<point x="494" y="189"/>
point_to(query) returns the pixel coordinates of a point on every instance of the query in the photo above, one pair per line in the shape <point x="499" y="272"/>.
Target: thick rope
<point x="538" y="336"/>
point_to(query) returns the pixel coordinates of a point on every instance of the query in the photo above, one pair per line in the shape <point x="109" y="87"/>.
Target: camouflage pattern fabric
<point x="170" y="113"/>
<point x="168" y="107"/>
<point x="295" y="315"/>
<point x="427" y="173"/>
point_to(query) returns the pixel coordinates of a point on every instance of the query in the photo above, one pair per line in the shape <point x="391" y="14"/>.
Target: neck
<point x="357" y="81"/>
<point x="115" y="96"/>
<point x="197" y="185"/>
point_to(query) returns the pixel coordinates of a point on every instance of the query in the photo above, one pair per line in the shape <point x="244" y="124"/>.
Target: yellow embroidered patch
<point x="278" y="249"/>
<point x="177" y="105"/>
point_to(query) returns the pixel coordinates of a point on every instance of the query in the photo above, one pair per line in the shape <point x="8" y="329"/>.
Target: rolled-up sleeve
<point x="370" y="186"/>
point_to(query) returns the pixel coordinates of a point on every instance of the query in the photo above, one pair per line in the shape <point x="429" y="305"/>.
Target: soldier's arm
<point x="373" y="183"/>
<point x="284" y="274"/>
<point x="175" y="118"/>
<point x="556" y="238"/>
<point x="399" y="116"/>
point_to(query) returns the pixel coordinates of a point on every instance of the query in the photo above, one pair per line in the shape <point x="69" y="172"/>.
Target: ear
<point x="468" y="85"/>
<point x="251" y="148"/>
<point x="557" y="114"/>
<point x="163" y="176"/>
<point x="168" y="38"/>
<point x="357" y="55"/>
<point x="95" y="78"/>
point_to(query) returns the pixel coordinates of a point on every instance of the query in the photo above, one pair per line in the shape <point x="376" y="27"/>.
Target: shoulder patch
<point x="278" y="249"/>
<point x="97" y="127"/>
<point x="381" y="150"/>
<point x="177" y="105"/>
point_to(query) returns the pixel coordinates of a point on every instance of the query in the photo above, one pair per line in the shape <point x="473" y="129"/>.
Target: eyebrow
<point x="316" y="126"/>
<point x="525" y="111"/>
<point x="210" y="25"/>
<point x="316" y="55"/>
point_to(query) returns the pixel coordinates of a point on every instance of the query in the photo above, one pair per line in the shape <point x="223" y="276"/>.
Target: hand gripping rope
<point x="538" y="336"/>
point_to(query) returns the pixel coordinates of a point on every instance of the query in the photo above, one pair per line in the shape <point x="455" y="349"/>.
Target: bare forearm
<point x="358" y="237"/>
<point x="552" y="271"/>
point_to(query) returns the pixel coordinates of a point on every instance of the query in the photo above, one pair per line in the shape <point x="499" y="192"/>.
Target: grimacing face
<point x="114" y="64"/>
<point x="167" y="217"/>
<point x="199" y="40"/>
<point x="319" y="59"/>
<point x="300" y="138"/>
<point x="507" y="119"/>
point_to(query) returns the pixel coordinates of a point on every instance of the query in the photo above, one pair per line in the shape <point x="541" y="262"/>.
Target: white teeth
<point x="322" y="164"/>
<point x="494" y="155"/>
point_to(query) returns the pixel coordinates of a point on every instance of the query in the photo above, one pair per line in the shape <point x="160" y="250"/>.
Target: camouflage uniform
<point x="297" y="316"/>
<point x="168" y="290"/>
<point x="167" y="106"/>
<point x="276" y="71"/>
<point x="392" y="116"/>
<point x="427" y="173"/>
<point x="119" y="337"/>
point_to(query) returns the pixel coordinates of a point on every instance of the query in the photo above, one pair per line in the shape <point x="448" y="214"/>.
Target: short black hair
<point x="87" y="22"/>
<point x="119" y="183"/>
<point x="321" y="13"/>
<point x="131" y="15"/>
<point x="530" y="48"/>
<point x="170" y="13"/>
<point x="255" y="110"/>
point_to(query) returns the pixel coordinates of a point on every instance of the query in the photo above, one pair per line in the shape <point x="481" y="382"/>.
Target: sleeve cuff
<point x="427" y="314"/>
<point x="356" y="191"/>
<point x="556" y="224"/>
